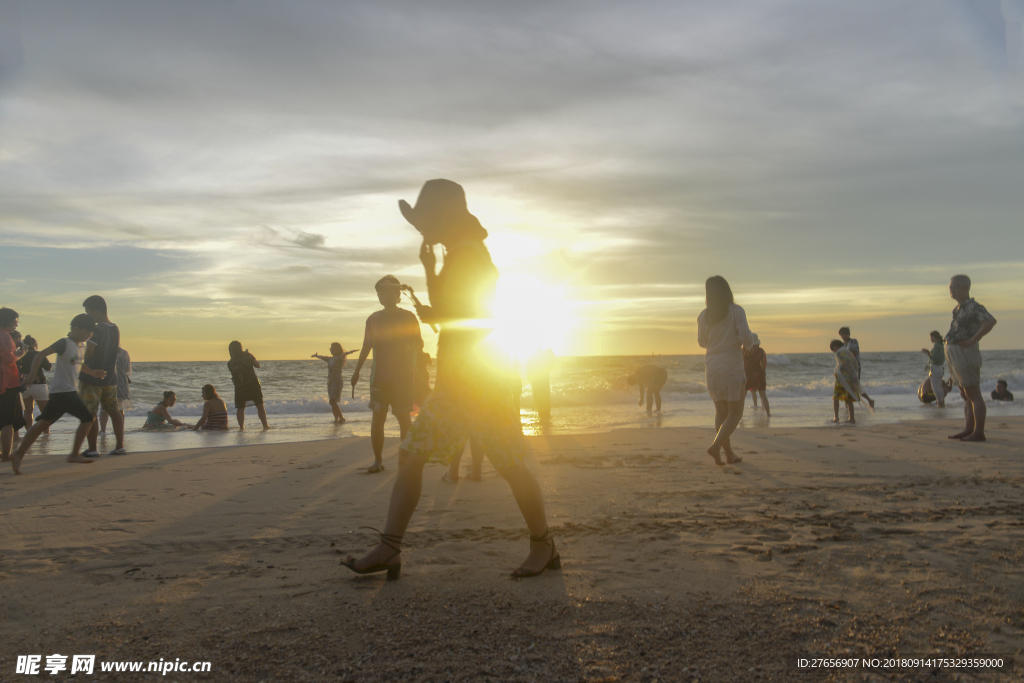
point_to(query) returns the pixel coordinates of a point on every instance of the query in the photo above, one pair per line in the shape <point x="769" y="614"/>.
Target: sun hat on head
<point x="442" y="203"/>
<point x="757" y="342"/>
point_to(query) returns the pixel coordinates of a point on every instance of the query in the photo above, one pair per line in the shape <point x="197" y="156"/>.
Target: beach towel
<point x="846" y="375"/>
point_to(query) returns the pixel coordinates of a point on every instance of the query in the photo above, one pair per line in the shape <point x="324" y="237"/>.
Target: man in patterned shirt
<point x="970" y="323"/>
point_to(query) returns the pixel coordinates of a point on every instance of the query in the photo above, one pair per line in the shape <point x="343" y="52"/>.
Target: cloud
<point x="636" y="146"/>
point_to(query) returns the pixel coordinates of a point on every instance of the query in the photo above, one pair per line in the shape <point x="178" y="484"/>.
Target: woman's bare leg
<point x="531" y="503"/>
<point x="6" y="442"/>
<point x="764" y="402"/>
<point x="721" y="412"/>
<point x="404" y="499"/>
<point x="240" y="414"/>
<point x="734" y="413"/>
<point x="28" y="411"/>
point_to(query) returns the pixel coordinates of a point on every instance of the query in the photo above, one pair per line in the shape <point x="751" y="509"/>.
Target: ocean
<point x="589" y="395"/>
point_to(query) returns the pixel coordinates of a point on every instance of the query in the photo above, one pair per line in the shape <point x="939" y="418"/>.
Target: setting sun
<point x="530" y="315"/>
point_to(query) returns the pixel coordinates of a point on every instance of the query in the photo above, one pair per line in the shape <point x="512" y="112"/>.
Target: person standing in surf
<point x="722" y="330"/>
<point x="247" y="385"/>
<point x="335" y="363"/>
<point x="471" y="393"/>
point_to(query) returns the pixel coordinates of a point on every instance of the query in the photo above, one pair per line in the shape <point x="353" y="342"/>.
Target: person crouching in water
<point x="158" y="415"/>
<point x="215" y="411"/>
<point x="471" y="393"/>
<point x="393" y="334"/>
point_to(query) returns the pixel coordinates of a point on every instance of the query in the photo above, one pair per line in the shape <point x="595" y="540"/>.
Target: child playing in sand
<point x="215" y="411"/>
<point x="335" y="362"/>
<point x="64" y="396"/>
<point x="158" y="415"/>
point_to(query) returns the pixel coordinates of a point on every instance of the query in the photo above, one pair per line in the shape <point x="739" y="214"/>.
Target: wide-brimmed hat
<point x="757" y="342"/>
<point x="439" y="200"/>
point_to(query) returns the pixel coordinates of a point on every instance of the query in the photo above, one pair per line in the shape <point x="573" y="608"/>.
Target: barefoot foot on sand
<point x="714" y="454"/>
<point x="851" y="421"/>
<point x="78" y="458"/>
<point x="974" y="437"/>
<point x="835" y="420"/>
<point x="959" y="435"/>
<point x="732" y="458"/>
<point x="16" y="463"/>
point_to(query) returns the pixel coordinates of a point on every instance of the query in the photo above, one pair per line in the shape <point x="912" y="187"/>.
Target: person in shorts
<point x="755" y="365"/>
<point x="124" y="387"/>
<point x="37" y="391"/>
<point x="96" y="392"/>
<point x="393" y="334"/>
<point x="471" y="393"/>
<point x="247" y="385"/>
<point x="12" y="413"/>
<point x="64" y="396"/>
<point x="971" y="322"/>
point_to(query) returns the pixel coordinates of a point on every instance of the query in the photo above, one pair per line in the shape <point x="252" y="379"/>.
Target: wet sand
<point x="830" y="541"/>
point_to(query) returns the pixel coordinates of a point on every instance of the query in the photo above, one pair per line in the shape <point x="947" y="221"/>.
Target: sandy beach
<point x="843" y="541"/>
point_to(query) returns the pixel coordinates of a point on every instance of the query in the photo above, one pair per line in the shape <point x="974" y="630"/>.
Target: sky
<point x="225" y="170"/>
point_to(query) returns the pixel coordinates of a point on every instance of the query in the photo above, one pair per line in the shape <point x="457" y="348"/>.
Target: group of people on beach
<point x="84" y="380"/>
<point x="473" y="399"/>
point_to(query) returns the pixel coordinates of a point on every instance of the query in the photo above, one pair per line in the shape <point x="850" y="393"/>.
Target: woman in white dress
<point x="722" y="330"/>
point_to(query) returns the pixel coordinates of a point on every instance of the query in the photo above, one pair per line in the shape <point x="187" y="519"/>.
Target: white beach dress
<point x="723" y="361"/>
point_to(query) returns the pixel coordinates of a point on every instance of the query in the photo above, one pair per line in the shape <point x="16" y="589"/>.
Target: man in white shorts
<point x="970" y="323"/>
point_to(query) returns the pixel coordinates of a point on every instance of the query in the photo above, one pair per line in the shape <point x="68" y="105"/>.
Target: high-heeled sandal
<point x="554" y="561"/>
<point x="393" y="570"/>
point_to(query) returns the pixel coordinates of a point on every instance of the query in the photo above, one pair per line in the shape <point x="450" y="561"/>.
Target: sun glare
<point x="530" y="315"/>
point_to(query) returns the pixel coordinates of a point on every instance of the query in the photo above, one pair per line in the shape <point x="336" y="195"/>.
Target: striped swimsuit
<point x="218" y="420"/>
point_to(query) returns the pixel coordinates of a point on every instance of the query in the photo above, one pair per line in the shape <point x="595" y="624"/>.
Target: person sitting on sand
<point x="158" y="416"/>
<point x="755" y="362"/>
<point x="847" y="388"/>
<point x="936" y="357"/>
<point x="471" y="393"/>
<point x="722" y="330"/>
<point x="247" y="385"/>
<point x="393" y="334"/>
<point x="971" y="322"/>
<point x="335" y="362"/>
<point x="1001" y="393"/>
<point x="925" y="393"/>
<point x="651" y="379"/>
<point x="215" y="411"/>
<point x="64" y="396"/>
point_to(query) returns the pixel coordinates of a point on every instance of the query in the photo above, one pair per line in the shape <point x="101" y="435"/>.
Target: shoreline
<point x="829" y="541"/>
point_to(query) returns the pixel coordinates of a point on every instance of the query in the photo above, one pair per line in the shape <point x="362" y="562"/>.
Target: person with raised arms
<point x="335" y="363"/>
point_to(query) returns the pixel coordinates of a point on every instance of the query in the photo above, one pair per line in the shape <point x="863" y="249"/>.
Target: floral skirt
<point x="473" y="396"/>
<point x="839" y="393"/>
